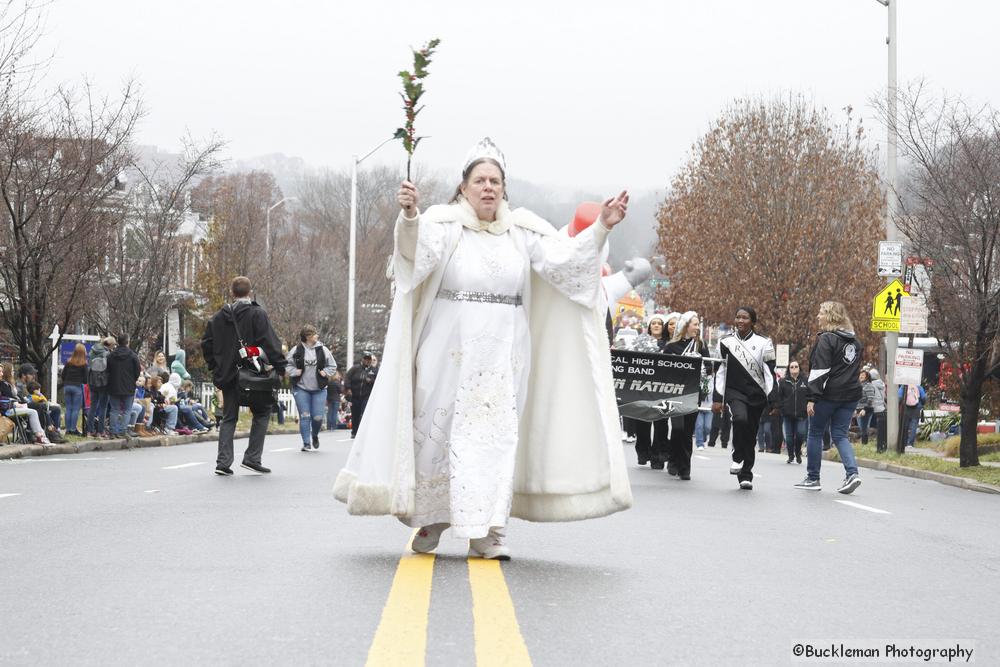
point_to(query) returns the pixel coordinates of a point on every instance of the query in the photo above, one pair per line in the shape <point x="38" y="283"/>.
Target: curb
<point x="8" y="452"/>
<point x="939" y="477"/>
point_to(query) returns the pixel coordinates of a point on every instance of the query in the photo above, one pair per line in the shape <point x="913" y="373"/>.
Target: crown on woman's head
<point x="485" y="149"/>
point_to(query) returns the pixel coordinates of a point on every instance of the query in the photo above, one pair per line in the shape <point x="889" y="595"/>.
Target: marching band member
<point x="744" y="383"/>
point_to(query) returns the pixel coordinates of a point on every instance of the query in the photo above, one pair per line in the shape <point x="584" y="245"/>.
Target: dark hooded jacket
<point x="123" y="371"/>
<point x="219" y="344"/>
<point x="835" y="367"/>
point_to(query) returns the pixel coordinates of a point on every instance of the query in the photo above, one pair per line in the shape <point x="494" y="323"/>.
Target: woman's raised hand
<point x="613" y="210"/>
<point x="408" y="198"/>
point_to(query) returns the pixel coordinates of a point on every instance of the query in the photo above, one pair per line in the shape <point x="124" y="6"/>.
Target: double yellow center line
<point x="401" y="637"/>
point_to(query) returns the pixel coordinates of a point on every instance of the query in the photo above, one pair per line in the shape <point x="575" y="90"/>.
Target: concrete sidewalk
<point x="19" y="451"/>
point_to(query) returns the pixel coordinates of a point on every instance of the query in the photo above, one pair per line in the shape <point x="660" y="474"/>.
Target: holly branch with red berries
<point x="413" y="89"/>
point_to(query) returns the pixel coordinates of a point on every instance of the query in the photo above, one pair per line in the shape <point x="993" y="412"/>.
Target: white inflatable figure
<point x="636" y="271"/>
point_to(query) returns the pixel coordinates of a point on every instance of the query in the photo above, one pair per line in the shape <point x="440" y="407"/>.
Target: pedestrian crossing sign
<point x="886" y="307"/>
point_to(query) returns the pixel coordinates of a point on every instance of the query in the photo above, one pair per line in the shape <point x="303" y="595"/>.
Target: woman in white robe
<point x="472" y="352"/>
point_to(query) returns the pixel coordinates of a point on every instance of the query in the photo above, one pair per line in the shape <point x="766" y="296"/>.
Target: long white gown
<point x="472" y="365"/>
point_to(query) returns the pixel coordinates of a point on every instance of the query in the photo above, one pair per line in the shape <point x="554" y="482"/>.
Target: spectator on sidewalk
<point x="123" y="371"/>
<point x="878" y="415"/>
<point x="74" y="376"/>
<point x="334" y="391"/>
<point x="137" y="416"/>
<point x="49" y="413"/>
<point x="164" y="412"/>
<point x="98" y="380"/>
<point x="224" y="350"/>
<point x="911" y="398"/>
<point x="159" y="366"/>
<point x="17" y="407"/>
<point x="358" y="385"/>
<point x="177" y="365"/>
<point x="792" y="398"/>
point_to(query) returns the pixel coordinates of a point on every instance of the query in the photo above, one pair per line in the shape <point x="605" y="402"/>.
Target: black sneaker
<point x="315" y="442"/>
<point x="808" y="485"/>
<point x="224" y="471"/>
<point x="850" y="483"/>
<point x="746" y="485"/>
<point x="672" y="469"/>
<point x="255" y="467"/>
<point x="306" y="447"/>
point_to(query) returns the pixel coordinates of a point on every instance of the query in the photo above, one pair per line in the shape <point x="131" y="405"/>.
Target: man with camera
<point x="358" y="387"/>
<point x="240" y="335"/>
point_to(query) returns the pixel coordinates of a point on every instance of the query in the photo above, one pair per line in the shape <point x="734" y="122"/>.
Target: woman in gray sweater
<point x="310" y="371"/>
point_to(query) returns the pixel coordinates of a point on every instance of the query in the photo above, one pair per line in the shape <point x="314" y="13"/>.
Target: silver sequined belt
<point x="479" y="297"/>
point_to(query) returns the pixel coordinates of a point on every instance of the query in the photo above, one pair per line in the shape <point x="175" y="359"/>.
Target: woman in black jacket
<point x="74" y="376"/>
<point x="834" y="392"/>
<point x="686" y="341"/>
<point x="792" y="398"/>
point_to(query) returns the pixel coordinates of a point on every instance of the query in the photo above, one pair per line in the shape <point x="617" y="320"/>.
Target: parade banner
<point x="653" y="386"/>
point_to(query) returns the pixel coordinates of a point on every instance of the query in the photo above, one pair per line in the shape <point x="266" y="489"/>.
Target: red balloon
<point x="586" y="215"/>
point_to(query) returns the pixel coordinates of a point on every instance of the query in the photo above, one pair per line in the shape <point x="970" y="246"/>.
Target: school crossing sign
<point x="886" y="307"/>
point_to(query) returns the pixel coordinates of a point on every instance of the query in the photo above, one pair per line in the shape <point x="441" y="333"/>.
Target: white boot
<point x="427" y="538"/>
<point x="492" y="546"/>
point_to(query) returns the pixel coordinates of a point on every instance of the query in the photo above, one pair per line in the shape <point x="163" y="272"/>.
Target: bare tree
<point x="779" y="209"/>
<point x="235" y="206"/>
<point x="322" y="251"/>
<point x="951" y="214"/>
<point x="59" y="167"/>
<point x="140" y="278"/>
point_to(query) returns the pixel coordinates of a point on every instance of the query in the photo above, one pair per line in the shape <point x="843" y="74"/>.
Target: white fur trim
<point x="362" y="499"/>
<point x="342" y="485"/>
<point x="553" y="507"/>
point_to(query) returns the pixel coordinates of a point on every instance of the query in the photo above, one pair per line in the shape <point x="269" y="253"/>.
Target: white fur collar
<point x="462" y="212"/>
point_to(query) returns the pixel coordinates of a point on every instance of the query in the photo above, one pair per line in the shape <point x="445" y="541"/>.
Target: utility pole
<point x="891" y="337"/>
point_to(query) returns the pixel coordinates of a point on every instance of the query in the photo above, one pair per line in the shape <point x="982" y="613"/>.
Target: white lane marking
<point x="185" y="465"/>
<point x="862" y="507"/>
<point x="283" y="449"/>
<point x="703" y="458"/>
<point x="53" y="459"/>
<point x="152" y="491"/>
<point x="8" y="495"/>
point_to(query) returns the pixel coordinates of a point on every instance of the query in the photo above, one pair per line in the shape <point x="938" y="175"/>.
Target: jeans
<point x="838" y="415"/>
<point x="121" y="408"/>
<point x="73" y="394"/>
<point x="190" y="417"/>
<point x="332" y="413"/>
<point x="138" y="412"/>
<point x="796" y="432"/>
<point x="312" y="410"/>
<point x="98" y="408"/>
<point x="764" y="435"/>
<point x="702" y="428"/>
<point x="864" y="420"/>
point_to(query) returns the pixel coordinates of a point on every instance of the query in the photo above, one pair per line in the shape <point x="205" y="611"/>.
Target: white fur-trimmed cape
<point x="570" y="460"/>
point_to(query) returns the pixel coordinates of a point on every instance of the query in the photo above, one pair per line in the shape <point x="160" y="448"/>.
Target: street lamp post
<point x="267" y="241"/>
<point x="352" y="251"/>
<point x="891" y="337"/>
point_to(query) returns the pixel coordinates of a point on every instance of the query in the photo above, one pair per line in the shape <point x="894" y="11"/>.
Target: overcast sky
<point x="581" y="94"/>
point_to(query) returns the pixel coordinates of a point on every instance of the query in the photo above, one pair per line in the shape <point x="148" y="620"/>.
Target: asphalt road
<point x="146" y="557"/>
